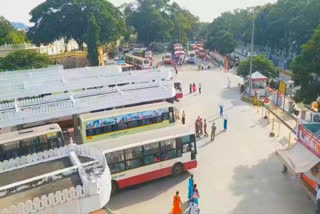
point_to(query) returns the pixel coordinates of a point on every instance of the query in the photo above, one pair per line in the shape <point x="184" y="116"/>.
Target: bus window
<point x="90" y="132"/>
<point x="12" y="150"/>
<point x="133" y="157"/>
<point x="28" y="146"/>
<point x="193" y="147"/>
<point x="43" y="144"/>
<point x="168" y="149"/>
<point x="165" y="116"/>
<point x="115" y="161"/>
<point x="185" y="144"/>
<point x="53" y="140"/>
<point x="156" y="119"/>
<point x="179" y="146"/>
<point x="151" y="153"/>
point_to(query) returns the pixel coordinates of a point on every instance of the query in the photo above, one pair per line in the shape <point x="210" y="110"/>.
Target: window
<point x="42" y="145"/>
<point x="133" y="153"/>
<point x="28" y="146"/>
<point x="168" y="149"/>
<point x="151" y="153"/>
<point x="116" y="162"/>
<point x="156" y="119"/>
<point x="165" y="116"/>
<point x="135" y="163"/>
<point x="90" y="132"/>
<point x="132" y="124"/>
<point x="185" y="140"/>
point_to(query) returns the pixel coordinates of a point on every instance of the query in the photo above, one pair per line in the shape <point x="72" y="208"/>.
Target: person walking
<point x="213" y="131"/>
<point x="196" y="195"/>
<point x="201" y="126"/>
<point x="194" y="87"/>
<point x="177" y="204"/>
<point x="200" y="88"/>
<point x="190" y="187"/>
<point x="225" y="122"/>
<point x="183" y="118"/>
<point x="190" y="88"/>
<point x="221" y="110"/>
<point x="205" y="128"/>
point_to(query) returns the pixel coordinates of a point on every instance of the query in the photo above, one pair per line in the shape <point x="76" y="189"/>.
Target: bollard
<point x="279" y="129"/>
<point x="289" y="139"/>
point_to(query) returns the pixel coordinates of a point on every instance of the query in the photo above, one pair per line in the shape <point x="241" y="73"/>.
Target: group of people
<point x="193" y="197"/>
<point x="201" y="127"/>
<point x="193" y="88"/>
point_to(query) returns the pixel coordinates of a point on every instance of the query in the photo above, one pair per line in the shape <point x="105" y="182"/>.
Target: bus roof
<point x="137" y="57"/>
<point x="121" y="111"/>
<point x="142" y="138"/>
<point x="28" y="133"/>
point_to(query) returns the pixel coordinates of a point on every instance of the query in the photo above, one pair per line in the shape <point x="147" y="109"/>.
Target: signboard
<point x="309" y="139"/>
<point x="282" y="87"/>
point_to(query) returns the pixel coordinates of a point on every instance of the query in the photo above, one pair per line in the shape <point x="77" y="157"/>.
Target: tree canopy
<point x="93" y="41"/>
<point x="55" y="19"/>
<point x="24" y="59"/>
<point x="222" y="41"/>
<point x="306" y="69"/>
<point x="8" y="34"/>
<point x="260" y="63"/>
<point x="158" y="20"/>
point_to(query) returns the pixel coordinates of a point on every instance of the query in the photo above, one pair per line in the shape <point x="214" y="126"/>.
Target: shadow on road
<point x="144" y="192"/>
<point x="263" y="189"/>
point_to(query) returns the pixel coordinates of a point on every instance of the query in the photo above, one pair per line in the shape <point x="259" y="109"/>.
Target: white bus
<point x="102" y="125"/>
<point x="29" y="141"/>
<point x="138" y="62"/>
<point x="138" y="158"/>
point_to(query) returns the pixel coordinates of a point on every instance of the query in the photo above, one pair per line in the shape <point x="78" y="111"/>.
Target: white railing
<point x="84" y="104"/>
<point x="92" y="189"/>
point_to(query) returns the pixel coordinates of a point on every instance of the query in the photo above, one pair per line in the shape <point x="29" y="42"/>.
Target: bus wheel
<point x="114" y="187"/>
<point x="177" y="169"/>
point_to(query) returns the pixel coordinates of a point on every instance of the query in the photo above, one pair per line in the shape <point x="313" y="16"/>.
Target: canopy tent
<point x="257" y="76"/>
<point x="299" y="158"/>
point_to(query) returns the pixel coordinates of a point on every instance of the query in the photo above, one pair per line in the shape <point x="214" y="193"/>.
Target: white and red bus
<point x="146" y="156"/>
<point x="138" y="62"/>
<point x="167" y="58"/>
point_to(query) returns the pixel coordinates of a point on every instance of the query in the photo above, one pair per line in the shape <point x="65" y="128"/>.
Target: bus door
<point x="171" y="115"/>
<point x="54" y="140"/>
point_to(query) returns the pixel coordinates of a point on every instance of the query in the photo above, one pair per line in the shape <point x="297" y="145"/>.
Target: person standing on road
<point x="221" y="110"/>
<point x="205" y="128"/>
<point x="194" y="87"/>
<point x="213" y="131"/>
<point x="196" y="128"/>
<point x="200" y="88"/>
<point x="190" y="88"/>
<point x="225" y="122"/>
<point x="196" y="194"/>
<point x="176" y="209"/>
<point x="190" y="187"/>
<point x="201" y="126"/>
<point x="183" y="118"/>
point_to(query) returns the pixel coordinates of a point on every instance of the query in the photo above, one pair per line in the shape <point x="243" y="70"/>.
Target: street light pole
<point x="251" y="59"/>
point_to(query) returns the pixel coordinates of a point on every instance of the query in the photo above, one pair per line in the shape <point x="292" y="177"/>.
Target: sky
<point x="206" y="10"/>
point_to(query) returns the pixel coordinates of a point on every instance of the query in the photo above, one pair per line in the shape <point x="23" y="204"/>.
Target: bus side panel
<point x="144" y="177"/>
<point x="190" y="165"/>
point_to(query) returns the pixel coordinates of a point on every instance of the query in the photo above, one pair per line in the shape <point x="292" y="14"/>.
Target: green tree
<point x="55" y="19"/>
<point x="25" y="59"/>
<point x="260" y="63"/>
<point x="222" y="41"/>
<point x="306" y="69"/>
<point x="8" y="34"/>
<point x="93" y="41"/>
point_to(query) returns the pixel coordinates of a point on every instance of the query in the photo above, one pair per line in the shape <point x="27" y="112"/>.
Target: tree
<point x="8" y="34"/>
<point x="25" y="59"/>
<point x="260" y="63"/>
<point x="222" y="41"/>
<point x="93" y="41"/>
<point x="306" y="69"/>
<point x="56" y="19"/>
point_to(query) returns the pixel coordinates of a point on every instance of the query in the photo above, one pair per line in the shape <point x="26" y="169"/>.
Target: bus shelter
<point x="259" y="84"/>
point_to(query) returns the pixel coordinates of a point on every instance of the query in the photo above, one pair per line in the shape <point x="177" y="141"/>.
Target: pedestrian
<point x="228" y="82"/>
<point x="221" y="110"/>
<point x="318" y="198"/>
<point x="196" y="128"/>
<point x="225" y="122"/>
<point x="200" y="88"/>
<point x="194" y="87"/>
<point x="190" y="88"/>
<point x="177" y="209"/>
<point x="213" y="131"/>
<point x="190" y="187"/>
<point x="193" y="208"/>
<point x="205" y="128"/>
<point x="196" y="195"/>
<point x="201" y="126"/>
<point x="183" y="118"/>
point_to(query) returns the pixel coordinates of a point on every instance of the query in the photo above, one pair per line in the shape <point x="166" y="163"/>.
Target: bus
<point x="114" y="123"/>
<point x="138" y="62"/>
<point x="149" y="155"/>
<point x="192" y="57"/>
<point x="29" y="141"/>
<point x="167" y="58"/>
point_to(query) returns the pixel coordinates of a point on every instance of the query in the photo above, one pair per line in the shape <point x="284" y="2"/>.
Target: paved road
<point x="238" y="173"/>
